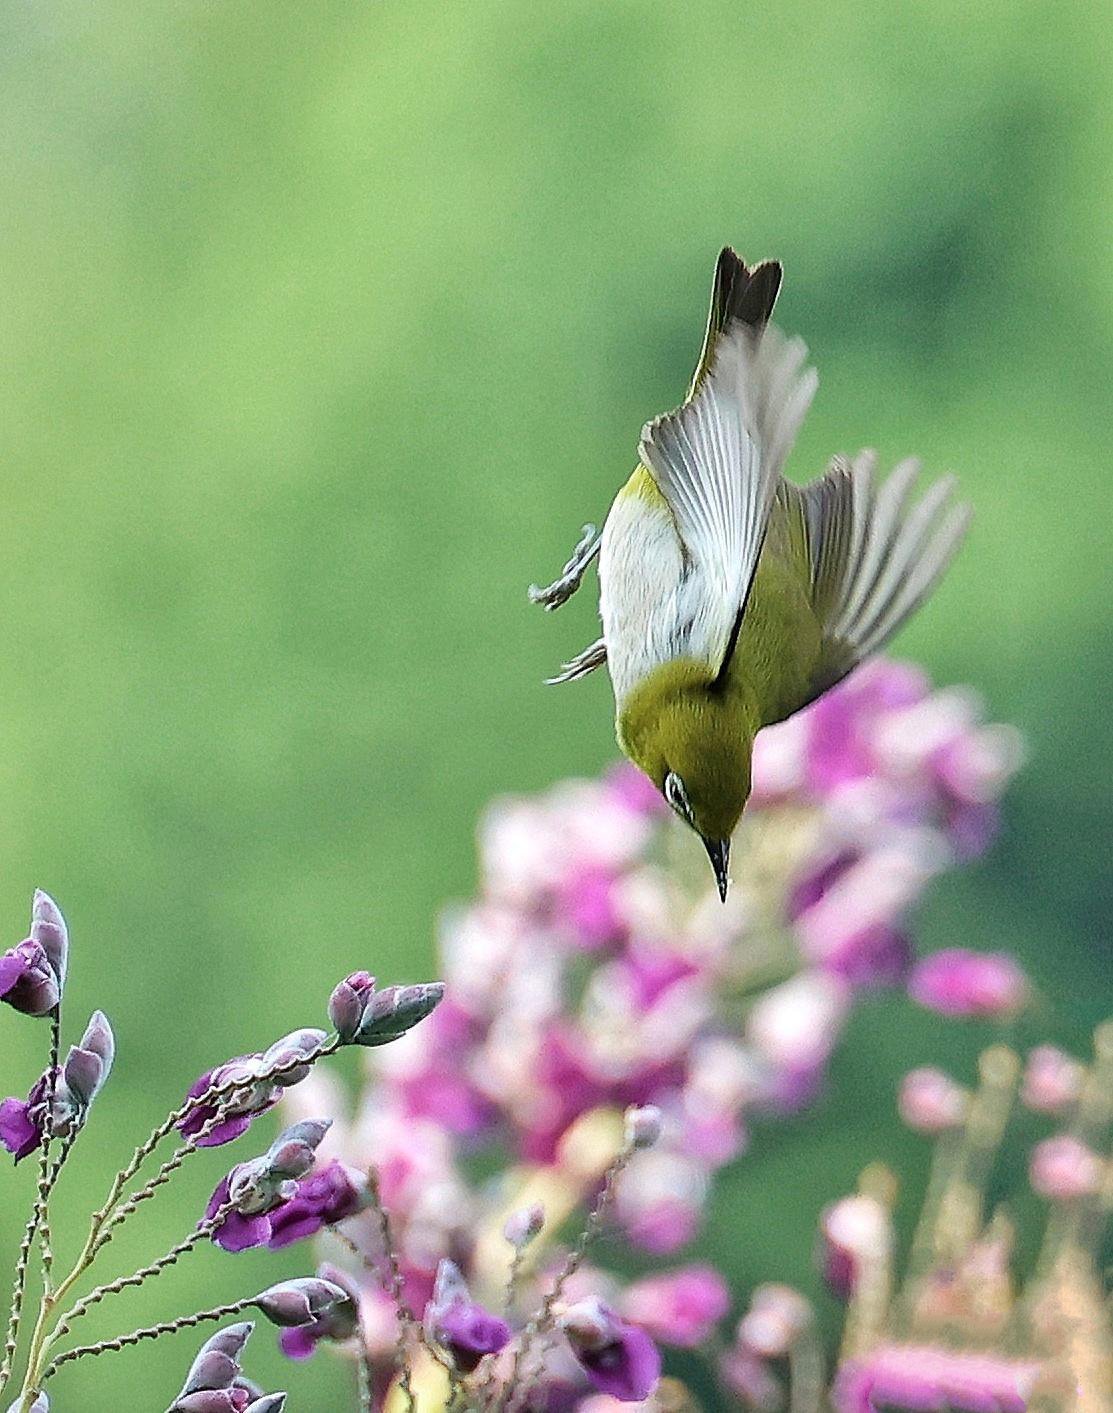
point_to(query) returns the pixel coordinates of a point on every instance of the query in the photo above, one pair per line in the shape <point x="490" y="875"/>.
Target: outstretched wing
<point x="874" y="556"/>
<point x="717" y="462"/>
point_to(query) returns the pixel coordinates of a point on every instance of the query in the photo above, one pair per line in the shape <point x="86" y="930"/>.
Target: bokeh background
<point x="324" y="329"/>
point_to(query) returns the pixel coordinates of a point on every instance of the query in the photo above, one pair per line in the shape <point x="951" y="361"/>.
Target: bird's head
<point x="696" y="747"/>
<point x="709" y="795"/>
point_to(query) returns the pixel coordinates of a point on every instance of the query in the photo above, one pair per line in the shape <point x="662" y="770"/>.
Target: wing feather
<point x="717" y="461"/>
<point x="874" y="559"/>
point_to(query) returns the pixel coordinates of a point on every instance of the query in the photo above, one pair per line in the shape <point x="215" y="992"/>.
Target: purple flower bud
<point x="618" y="1359"/>
<point x="301" y="1301"/>
<point x="524" y="1225"/>
<point x="1063" y="1169"/>
<point x="48" y="929"/>
<point x="40" y="1405"/>
<point x="463" y="1329"/>
<point x="958" y="982"/>
<point x="1052" y="1081"/>
<point x="269" y="1403"/>
<point x="210" y="1385"/>
<point x="89" y="1064"/>
<point x="28" y="982"/>
<point x="294" y="1151"/>
<point x="931" y="1102"/>
<point x="643" y="1126"/>
<point x="348" y="1002"/>
<point x="394" y="1010"/>
<point x="291" y="1047"/>
<point x="339" y="1323"/>
<point x="324" y="1198"/>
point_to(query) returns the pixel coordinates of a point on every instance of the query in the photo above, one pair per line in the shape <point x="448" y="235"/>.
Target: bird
<point x="731" y="597"/>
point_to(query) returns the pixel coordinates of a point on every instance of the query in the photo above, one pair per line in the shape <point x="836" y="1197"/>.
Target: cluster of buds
<point x="281" y="1196"/>
<point x="955" y="1332"/>
<point x="216" y="1383"/>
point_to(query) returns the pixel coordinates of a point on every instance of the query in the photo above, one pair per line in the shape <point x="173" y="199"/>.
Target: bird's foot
<point x="571" y="576"/>
<point x="583" y="663"/>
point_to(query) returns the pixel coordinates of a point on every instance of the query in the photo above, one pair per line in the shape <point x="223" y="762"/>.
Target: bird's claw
<point x="553" y="595"/>
<point x="592" y="657"/>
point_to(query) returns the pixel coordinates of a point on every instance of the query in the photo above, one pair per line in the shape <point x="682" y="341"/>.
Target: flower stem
<point x="393" y="1284"/>
<point x="200" y="1232"/>
<point x="183" y="1322"/>
<point x="515" y="1392"/>
<point x="47" y="1176"/>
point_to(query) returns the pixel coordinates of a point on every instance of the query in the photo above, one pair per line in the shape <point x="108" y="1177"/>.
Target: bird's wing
<point x="717" y="462"/>
<point x="874" y="556"/>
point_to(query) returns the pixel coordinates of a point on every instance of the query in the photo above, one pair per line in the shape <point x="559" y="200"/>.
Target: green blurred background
<point x="325" y="327"/>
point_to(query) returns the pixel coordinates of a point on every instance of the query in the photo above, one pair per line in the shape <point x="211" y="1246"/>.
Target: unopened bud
<point x="89" y="1063"/>
<point x="290" y="1048"/>
<point x="855" y="1235"/>
<point x="48" y="929"/>
<point x="269" y="1403"/>
<point x="524" y="1225"/>
<point x="778" y="1315"/>
<point x="214" y="1372"/>
<point x="1052" y="1080"/>
<point x="348" y="1002"/>
<point x="931" y="1102"/>
<point x="394" y="1010"/>
<point x="299" y="1302"/>
<point x="643" y="1126"/>
<point x="1063" y="1169"/>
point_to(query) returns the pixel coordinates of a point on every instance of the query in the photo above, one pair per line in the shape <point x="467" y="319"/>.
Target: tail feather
<point x="874" y="559"/>
<point x="739" y="294"/>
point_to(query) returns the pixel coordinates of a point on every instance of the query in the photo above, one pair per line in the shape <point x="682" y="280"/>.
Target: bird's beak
<point x="718" y="851"/>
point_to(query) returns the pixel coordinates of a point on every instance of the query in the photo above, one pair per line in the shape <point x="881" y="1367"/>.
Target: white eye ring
<point x="677" y="796"/>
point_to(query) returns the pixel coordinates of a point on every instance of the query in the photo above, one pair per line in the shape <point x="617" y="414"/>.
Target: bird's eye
<point x="677" y="796"/>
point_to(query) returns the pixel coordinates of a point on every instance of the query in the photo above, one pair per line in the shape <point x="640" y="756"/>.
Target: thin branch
<point x="515" y="1393"/>
<point x="394" y="1286"/>
<point x="183" y="1322"/>
<point x="42" y="1192"/>
<point x="200" y="1232"/>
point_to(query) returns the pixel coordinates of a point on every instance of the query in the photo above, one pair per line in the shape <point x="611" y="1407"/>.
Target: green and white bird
<point x="730" y="598"/>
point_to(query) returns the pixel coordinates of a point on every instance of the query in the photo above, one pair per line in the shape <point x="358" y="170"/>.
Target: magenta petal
<point x="237" y="1233"/>
<point x="297" y="1343"/>
<point x="628" y="1369"/>
<point x="17" y="1133"/>
<point x="11" y="969"/>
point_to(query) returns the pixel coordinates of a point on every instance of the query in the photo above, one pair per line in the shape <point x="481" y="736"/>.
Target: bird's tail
<point x="740" y="293"/>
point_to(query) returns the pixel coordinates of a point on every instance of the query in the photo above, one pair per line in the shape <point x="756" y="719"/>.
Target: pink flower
<point x="958" y="982"/>
<point x="680" y="1307"/>
<point x="931" y="1102"/>
<point x="1063" y="1169"/>
<point x="1052" y="1080"/>
<point x="929" y="1377"/>
<point x="854" y="1234"/>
